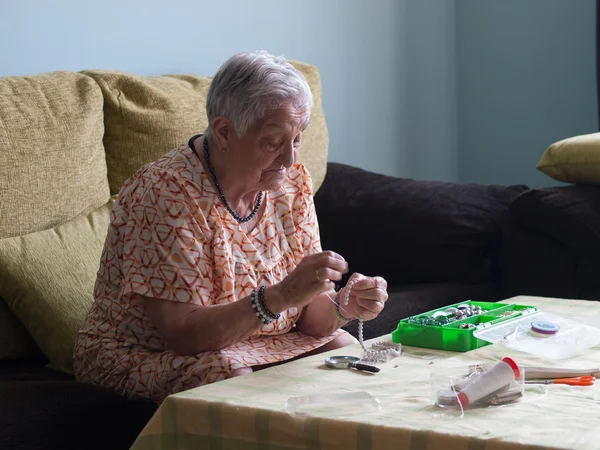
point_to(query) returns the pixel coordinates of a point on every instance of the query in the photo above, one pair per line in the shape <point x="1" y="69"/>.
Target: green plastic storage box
<point x="451" y="336"/>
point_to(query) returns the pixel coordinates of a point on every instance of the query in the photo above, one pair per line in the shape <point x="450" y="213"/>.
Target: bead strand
<point x="380" y="351"/>
<point x="346" y="301"/>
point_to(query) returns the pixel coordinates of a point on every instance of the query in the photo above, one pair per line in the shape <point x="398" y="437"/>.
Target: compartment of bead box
<point x="447" y="329"/>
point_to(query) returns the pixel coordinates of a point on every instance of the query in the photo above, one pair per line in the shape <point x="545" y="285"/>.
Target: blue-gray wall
<point x="525" y="79"/>
<point x="430" y="90"/>
<point x="468" y="90"/>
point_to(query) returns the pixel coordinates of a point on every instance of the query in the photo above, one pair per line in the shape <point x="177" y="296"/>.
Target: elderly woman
<point x="213" y="265"/>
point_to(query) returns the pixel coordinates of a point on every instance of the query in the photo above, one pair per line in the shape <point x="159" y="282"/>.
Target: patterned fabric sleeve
<point x="166" y="254"/>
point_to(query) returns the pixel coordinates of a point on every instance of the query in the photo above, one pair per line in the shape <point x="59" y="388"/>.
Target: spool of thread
<point x="546" y="328"/>
<point x="499" y="375"/>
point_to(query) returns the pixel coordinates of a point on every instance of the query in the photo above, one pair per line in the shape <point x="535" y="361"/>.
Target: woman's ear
<point x="222" y="131"/>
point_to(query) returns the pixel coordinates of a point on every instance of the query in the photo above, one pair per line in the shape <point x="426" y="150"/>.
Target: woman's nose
<point x="288" y="157"/>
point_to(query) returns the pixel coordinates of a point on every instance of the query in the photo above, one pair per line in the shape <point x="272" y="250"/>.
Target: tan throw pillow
<point x="573" y="160"/>
<point x="145" y="117"/>
<point x="47" y="279"/>
<point x="52" y="162"/>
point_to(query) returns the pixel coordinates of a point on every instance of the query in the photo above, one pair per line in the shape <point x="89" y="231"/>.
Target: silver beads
<point x="381" y="352"/>
<point x="465" y="310"/>
<point x="345" y="300"/>
<point x="437" y="314"/>
<point x="448" y="316"/>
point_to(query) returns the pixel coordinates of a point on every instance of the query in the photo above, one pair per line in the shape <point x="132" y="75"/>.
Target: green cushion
<point x="47" y="279"/>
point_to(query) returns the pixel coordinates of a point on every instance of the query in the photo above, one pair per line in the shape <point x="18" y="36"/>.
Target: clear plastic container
<point x="572" y="339"/>
<point x="447" y="385"/>
<point x="333" y="405"/>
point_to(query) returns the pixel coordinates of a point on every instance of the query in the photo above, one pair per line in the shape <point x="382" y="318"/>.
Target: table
<point x="247" y="412"/>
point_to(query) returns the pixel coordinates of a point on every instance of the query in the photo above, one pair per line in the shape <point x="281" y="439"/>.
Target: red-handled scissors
<point x="577" y="381"/>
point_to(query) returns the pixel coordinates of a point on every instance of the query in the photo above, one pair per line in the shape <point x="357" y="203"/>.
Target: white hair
<point x="249" y="85"/>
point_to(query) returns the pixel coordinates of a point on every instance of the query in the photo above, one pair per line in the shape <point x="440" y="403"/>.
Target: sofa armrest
<point x="532" y="263"/>
<point x="569" y="214"/>
<point x="569" y="218"/>
<point x="411" y="231"/>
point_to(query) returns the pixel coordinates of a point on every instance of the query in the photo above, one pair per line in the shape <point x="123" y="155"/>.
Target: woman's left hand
<point x="367" y="297"/>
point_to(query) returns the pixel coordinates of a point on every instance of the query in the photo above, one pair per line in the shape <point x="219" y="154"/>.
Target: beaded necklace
<point x="222" y="196"/>
<point x="216" y="182"/>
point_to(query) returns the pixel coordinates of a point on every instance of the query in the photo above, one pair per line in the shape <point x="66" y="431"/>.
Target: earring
<point x="224" y="149"/>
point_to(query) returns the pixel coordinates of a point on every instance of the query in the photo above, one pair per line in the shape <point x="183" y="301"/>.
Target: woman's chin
<point x="274" y="185"/>
<point x="274" y="182"/>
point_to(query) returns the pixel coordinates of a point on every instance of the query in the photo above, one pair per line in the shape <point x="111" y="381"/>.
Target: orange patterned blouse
<point x="171" y="238"/>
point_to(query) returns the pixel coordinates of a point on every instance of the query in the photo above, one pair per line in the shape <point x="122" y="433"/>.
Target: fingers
<point x="333" y="261"/>
<point x="373" y="306"/>
<point x="326" y="266"/>
<point x="355" y="277"/>
<point x="328" y="274"/>
<point x="372" y="294"/>
<point x="330" y="260"/>
<point x="372" y="288"/>
<point x="315" y="274"/>
<point x="367" y="309"/>
<point x="365" y="283"/>
<point x="333" y="255"/>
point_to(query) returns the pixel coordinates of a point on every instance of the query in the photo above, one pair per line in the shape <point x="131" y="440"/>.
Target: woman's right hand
<point x="314" y="275"/>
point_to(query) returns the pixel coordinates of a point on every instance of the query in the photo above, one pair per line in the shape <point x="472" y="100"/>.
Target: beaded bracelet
<point x="257" y="308"/>
<point x="263" y="304"/>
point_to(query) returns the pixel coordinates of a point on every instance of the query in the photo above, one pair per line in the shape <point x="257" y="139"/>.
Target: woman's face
<point x="269" y="148"/>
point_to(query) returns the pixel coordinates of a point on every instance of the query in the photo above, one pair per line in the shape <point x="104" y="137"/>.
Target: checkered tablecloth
<point x="249" y="412"/>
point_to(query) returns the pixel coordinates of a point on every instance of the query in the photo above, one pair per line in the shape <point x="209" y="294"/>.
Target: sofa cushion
<point x="573" y="160"/>
<point x="146" y="117"/>
<point x="52" y="162"/>
<point x="47" y="278"/>
<point x="411" y="231"/>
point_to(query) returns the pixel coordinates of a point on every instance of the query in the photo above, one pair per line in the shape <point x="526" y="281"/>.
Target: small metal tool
<point x="349" y="362"/>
